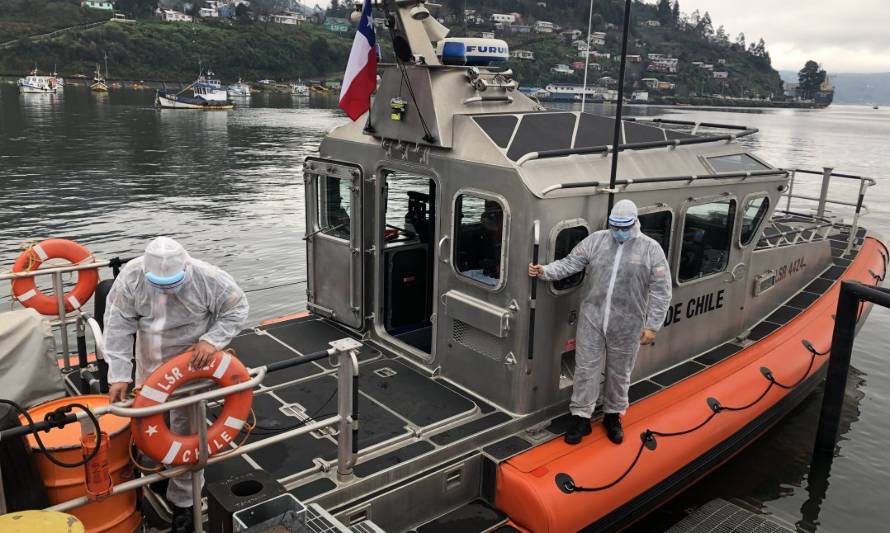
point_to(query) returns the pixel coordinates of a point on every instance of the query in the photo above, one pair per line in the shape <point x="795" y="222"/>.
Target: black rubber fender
<point x="100" y="299"/>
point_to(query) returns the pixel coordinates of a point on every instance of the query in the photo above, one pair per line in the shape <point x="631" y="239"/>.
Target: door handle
<point x="443" y="249"/>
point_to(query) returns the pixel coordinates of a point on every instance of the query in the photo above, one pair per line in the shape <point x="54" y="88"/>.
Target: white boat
<point x="239" y="90"/>
<point x="299" y="89"/>
<point x="207" y="93"/>
<point x="32" y="83"/>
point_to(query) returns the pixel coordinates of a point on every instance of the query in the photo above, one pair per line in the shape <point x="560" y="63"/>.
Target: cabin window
<point x="753" y="215"/>
<point x="479" y="239"/>
<point x="334" y="202"/>
<point x="735" y="163"/>
<point x="657" y="225"/>
<point x="707" y="232"/>
<point x="566" y="241"/>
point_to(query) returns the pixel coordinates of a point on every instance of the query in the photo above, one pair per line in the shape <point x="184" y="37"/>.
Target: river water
<point x="112" y="172"/>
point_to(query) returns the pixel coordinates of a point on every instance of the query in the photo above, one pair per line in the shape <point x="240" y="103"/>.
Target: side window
<point x="707" y="233"/>
<point x="334" y="198"/>
<point x="478" y="239"/>
<point x="565" y="243"/>
<point x="752" y="216"/>
<point x="658" y="226"/>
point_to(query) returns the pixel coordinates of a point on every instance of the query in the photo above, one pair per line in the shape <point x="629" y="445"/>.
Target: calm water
<point x="110" y="171"/>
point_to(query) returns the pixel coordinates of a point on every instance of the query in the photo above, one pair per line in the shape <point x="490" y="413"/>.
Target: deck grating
<point x="718" y="354"/>
<point x="803" y="300"/>
<point x="762" y="330"/>
<point x="393" y="458"/>
<point x="675" y="374"/>
<point x="470" y="428"/>
<point x="419" y="399"/>
<point x="641" y="389"/>
<point x="819" y="285"/>
<point x="506" y="448"/>
<point x="783" y="315"/>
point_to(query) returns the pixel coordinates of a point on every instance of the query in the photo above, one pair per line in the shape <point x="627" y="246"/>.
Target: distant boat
<point x="207" y="93"/>
<point x="33" y="83"/>
<point x="876" y="106"/>
<point x="99" y="84"/>
<point x="239" y="90"/>
<point x="299" y="89"/>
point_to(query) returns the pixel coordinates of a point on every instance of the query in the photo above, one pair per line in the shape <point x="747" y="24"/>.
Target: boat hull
<point x="27" y="89"/>
<point x="169" y="101"/>
<point x="528" y="492"/>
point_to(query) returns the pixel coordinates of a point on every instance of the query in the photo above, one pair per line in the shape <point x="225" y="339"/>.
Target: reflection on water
<point x="112" y="172"/>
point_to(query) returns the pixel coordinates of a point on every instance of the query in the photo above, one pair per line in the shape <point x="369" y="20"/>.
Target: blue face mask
<point x="621" y="235"/>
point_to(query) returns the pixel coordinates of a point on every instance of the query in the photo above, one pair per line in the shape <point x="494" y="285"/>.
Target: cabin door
<point x="334" y="241"/>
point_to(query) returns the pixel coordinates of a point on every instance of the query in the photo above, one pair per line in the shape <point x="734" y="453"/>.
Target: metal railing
<point x="343" y="351"/>
<point x="824" y="200"/>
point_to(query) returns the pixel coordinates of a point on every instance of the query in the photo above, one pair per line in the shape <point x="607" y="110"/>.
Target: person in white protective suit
<point x="629" y="286"/>
<point x="170" y="303"/>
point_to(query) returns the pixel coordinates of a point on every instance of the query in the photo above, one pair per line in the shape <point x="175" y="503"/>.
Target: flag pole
<point x="616" y="140"/>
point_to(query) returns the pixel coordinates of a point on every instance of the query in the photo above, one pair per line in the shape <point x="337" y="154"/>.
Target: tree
<point x="740" y="41"/>
<point x="663" y="12"/>
<point x="242" y="14"/>
<point x="721" y="36"/>
<point x="136" y="8"/>
<point x="811" y="77"/>
<point x="675" y="13"/>
<point x="705" y="27"/>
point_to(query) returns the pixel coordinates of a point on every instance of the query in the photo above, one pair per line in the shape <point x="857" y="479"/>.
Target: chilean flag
<point x="360" y="79"/>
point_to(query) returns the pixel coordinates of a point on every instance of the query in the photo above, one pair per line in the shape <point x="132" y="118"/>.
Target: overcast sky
<point x="843" y="35"/>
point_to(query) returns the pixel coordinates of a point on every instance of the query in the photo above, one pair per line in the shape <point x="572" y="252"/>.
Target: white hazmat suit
<point x="629" y="289"/>
<point x="201" y="303"/>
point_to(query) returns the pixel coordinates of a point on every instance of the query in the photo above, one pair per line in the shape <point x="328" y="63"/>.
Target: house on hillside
<point x="504" y="19"/>
<point x="487" y="35"/>
<point x="666" y="86"/>
<point x="640" y="96"/>
<point x="336" y="24"/>
<point x="562" y="69"/>
<point x="607" y="81"/>
<point x="542" y="26"/>
<point x="650" y="83"/>
<point x="634" y="58"/>
<point x="103" y="5"/>
<point x="580" y="45"/>
<point x="656" y="57"/>
<point x="171" y="15"/>
<point x="525" y="55"/>
<point x="652" y="24"/>
<point x="520" y="28"/>
<point x="570" y="36"/>
<point x="291" y="19"/>
<point x="669" y="65"/>
<point x="721" y="75"/>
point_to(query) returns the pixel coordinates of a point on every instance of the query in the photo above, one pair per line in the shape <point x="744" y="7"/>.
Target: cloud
<point x="848" y="36"/>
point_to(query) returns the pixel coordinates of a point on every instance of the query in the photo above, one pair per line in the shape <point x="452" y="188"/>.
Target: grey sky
<point x="843" y="35"/>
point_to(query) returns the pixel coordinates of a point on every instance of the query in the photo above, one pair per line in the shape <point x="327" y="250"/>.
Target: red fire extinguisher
<point x="97" y="475"/>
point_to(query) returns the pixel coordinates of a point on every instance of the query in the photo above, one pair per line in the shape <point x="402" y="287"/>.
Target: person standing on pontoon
<point x="169" y="303"/>
<point x="629" y="296"/>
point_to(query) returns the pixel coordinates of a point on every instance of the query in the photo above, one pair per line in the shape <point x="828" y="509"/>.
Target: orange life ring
<point x="25" y="289"/>
<point x="153" y="436"/>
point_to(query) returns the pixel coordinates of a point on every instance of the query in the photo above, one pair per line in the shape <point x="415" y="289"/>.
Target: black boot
<point x="578" y="428"/>
<point x="613" y="427"/>
<point x="182" y="520"/>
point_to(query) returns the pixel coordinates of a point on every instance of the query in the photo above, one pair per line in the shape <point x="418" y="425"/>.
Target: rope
<point x="55" y="419"/>
<point x="648" y="437"/>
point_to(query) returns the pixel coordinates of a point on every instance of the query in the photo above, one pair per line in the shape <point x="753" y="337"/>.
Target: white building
<point x="670" y="65"/>
<point x="640" y="96"/>
<point x="291" y="19"/>
<point x="721" y="75"/>
<point x="488" y="35"/>
<point x="542" y="26"/>
<point x="562" y="69"/>
<point x="170" y="15"/>
<point x="104" y="5"/>
<point x="597" y="41"/>
<point x="499" y="18"/>
<point x="650" y="83"/>
<point x="526" y="55"/>
<point x="652" y="23"/>
<point x="208" y="12"/>
<point x="656" y="57"/>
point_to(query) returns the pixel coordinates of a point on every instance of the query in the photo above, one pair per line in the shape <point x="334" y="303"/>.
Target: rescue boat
<point x="426" y="386"/>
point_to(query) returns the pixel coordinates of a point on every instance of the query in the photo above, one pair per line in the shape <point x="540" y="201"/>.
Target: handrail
<point x="667" y="179"/>
<point x="606" y="149"/>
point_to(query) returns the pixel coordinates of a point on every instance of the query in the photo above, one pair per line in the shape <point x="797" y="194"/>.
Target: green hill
<point x="150" y="49"/>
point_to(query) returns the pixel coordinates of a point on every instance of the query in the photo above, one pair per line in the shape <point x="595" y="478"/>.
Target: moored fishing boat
<point x="207" y="93"/>
<point x="238" y="90"/>
<point x="34" y="83"/>
<point x="299" y="89"/>
<point x="421" y="219"/>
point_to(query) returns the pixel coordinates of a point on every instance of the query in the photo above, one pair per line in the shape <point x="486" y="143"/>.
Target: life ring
<point x="25" y="289"/>
<point x="153" y="436"/>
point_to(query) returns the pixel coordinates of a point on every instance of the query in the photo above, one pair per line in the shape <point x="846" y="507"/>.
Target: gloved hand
<point x="203" y="354"/>
<point x="647" y="337"/>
